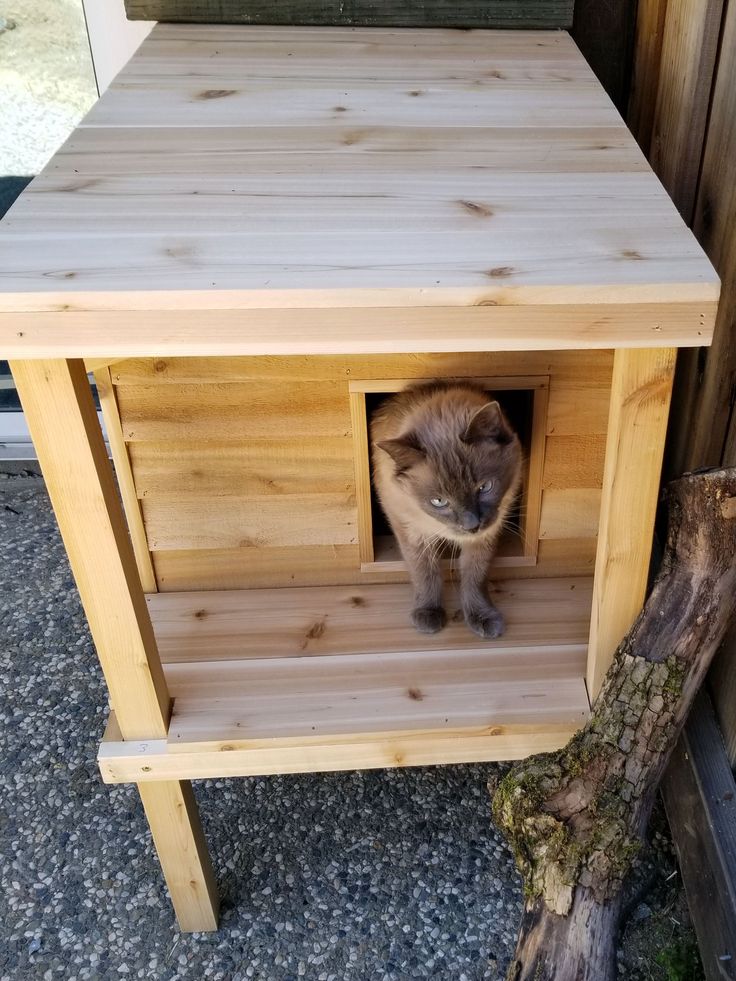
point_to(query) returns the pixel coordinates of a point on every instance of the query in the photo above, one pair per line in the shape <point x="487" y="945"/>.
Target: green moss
<point x="672" y="687"/>
<point x="681" y="961"/>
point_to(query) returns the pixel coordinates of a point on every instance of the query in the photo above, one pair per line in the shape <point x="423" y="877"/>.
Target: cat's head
<point x="462" y="466"/>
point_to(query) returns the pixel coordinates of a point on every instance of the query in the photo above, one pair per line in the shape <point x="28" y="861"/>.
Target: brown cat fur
<point x="446" y="442"/>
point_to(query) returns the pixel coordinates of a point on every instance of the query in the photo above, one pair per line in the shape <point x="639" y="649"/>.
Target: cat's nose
<point x="469" y="521"/>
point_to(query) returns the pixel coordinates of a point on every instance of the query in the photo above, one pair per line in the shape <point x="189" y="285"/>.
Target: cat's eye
<point x="486" y="486"/>
<point x="438" y="502"/>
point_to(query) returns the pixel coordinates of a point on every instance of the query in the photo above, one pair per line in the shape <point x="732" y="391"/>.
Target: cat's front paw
<point x="428" y="619"/>
<point x="486" y="622"/>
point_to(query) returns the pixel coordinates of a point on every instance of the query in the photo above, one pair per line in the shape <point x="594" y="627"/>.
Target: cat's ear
<point x="488" y="425"/>
<point x="405" y="451"/>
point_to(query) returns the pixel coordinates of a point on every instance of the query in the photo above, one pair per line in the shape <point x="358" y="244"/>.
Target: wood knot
<point x="632" y="254"/>
<point x="201" y="614"/>
<point x="315" y="632"/>
<point x="357" y="601"/>
<point x="477" y="208"/>
<point x="500" y="272"/>
<point x="415" y="694"/>
<point x="215" y="94"/>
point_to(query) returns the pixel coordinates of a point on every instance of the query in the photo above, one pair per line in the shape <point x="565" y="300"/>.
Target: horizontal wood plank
<point x="333" y="696"/>
<point x="359" y="13"/>
<point x="251" y="522"/>
<point x="295" y="623"/>
<point x="158" y="760"/>
<point x="215" y="468"/>
<point x="320" y="175"/>
<point x="578" y="409"/>
<point x="256" y="568"/>
<point x="564" y="366"/>
<point x="327" y="565"/>
<point x="574" y="462"/>
<point x="270" y="681"/>
<point x="234" y="412"/>
<point x="486" y="326"/>
<point x="570" y="513"/>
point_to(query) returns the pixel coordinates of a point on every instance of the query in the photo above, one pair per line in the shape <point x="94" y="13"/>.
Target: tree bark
<point x="575" y="819"/>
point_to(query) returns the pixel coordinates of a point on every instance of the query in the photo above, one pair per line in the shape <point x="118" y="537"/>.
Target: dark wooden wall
<point x="683" y="112"/>
<point x="604" y="31"/>
<point x="359" y="13"/>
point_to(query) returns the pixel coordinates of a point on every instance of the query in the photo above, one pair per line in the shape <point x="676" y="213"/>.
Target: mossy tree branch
<point x="575" y="818"/>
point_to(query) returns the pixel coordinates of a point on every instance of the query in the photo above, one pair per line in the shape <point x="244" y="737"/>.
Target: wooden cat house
<point x="255" y="236"/>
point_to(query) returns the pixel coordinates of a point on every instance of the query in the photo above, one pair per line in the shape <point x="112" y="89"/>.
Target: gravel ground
<point x="375" y="876"/>
<point x="46" y="80"/>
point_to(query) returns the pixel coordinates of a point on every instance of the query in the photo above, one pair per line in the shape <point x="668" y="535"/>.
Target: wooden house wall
<point x="244" y="471"/>
<point x="360" y="13"/>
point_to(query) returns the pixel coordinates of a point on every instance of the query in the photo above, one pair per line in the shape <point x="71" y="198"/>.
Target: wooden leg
<point x="637" y="425"/>
<point x="61" y="416"/>
<point x="177" y="833"/>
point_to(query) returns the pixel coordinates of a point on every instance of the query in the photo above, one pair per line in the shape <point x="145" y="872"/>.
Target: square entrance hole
<point x="524" y="400"/>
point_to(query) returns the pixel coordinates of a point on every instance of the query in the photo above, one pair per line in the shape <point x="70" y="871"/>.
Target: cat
<point x="446" y="468"/>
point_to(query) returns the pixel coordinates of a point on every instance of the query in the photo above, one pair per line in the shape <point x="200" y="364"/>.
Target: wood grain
<point x="574" y="462"/>
<point x="488" y="326"/>
<point x="570" y="513"/>
<point x="314" y="175"/>
<point x="310" y="679"/>
<point x="565" y="366"/>
<point x="257" y="410"/>
<point x="218" y="468"/>
<point x="61" y="416"/>
<point x="342" y="620"/>
<point x="177" y="833"/>
<point x="256" y="568"/>
<point x="579" y="408"/>
<point x="277" y="698"/>
<point x="637" y="425"/>
<point x="700" y="798"/>
<point x="715" y="216"/>
<point x="250" y="522"/>
<point x="604" y="32"/>
<point x="327" y="565"/>
<point x="157" y="760"/>
<point x="124" y="475"/>
<point x="689" y="46"/>
<point x="359" y="13"/>
<point x="650" y="20"/>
